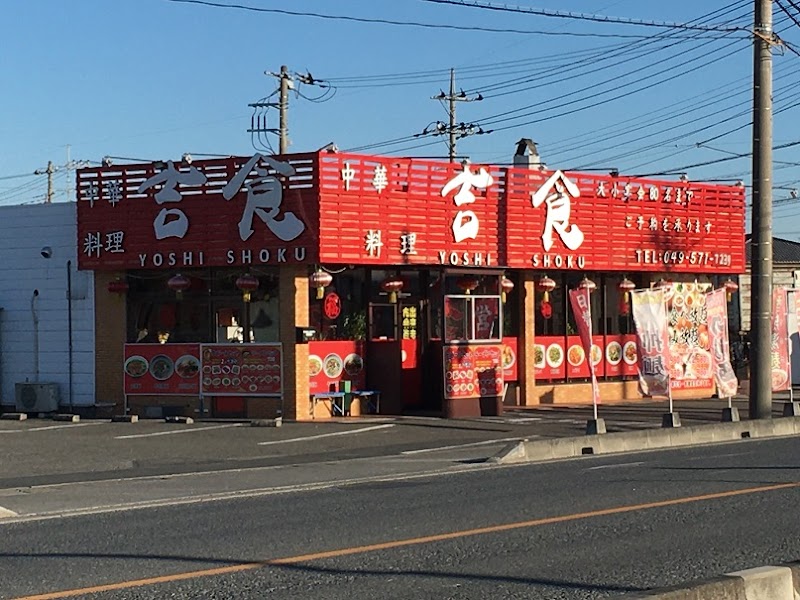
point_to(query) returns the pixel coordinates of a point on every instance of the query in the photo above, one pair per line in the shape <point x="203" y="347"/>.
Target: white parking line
<point x="484" y="443"/>
<point x="192" y="430"/>
<point x="48" y="427"/>
<point x="323" y="435"/>
<point x="616" y="466"/>
<point x="7" y="514"/>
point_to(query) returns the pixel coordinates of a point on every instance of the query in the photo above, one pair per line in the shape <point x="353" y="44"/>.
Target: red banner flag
<point x="582" y="307"/>
<point x="781" y="380"/>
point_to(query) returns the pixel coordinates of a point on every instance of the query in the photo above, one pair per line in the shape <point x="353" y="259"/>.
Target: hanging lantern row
<point x="392" y="286"/>
<point x="467" y="283"/>
<point x="730" y="288"/>
<point x="506" y="286"/>
<point x="118" y="286"/>
<point x="179" y="283"/>
<point x="248" y="284"/>
<point x="320" y="279"/>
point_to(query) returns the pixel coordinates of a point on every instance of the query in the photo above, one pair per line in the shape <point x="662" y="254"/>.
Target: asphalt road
<point x="586" y="528"/>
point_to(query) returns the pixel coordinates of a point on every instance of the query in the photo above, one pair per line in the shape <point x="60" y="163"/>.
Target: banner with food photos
<point x="724" y="375"/>
<point x="691" y="367"/>
<point x="330" y="362"/>
<point x="779" y="355"/>
<point x="650" y="319"/>
<point x="162" y="369"/>
<point x="582" y="309"/>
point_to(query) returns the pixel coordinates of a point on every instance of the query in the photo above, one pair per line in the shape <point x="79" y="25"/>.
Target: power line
<point x="472" y="28"/>
<point x="543" y="12"/>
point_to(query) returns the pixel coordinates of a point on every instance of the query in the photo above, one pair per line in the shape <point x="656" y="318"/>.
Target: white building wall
<point x="24" y="232"/>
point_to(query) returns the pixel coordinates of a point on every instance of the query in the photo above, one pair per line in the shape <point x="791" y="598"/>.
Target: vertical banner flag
<point x="582" y="308"/>
<point x="781" y="380"/>
<point x="652" y="336"/>
<point x="724" y="376"/>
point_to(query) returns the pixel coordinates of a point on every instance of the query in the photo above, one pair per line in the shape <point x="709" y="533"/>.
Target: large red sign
<point x="233" y="211"/>
<point x="370" y="210"/>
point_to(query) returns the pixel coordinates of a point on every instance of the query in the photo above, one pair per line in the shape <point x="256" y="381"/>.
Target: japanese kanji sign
<point x="370" y="210"/>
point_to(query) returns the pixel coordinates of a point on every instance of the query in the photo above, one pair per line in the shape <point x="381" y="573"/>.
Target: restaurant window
<point x="552" y="321"/>
<point x="210" y="310"/>
<point x="341" y="313"/>
<point x="619" y="312"/>
<point x="472" y="308"/>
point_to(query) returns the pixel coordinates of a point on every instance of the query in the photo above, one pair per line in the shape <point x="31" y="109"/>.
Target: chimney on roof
<point x="527" y="155"/>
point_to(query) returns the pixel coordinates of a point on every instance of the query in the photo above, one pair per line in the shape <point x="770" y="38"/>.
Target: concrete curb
<point x="645" y="439"/>
<point x="762" y="583"/>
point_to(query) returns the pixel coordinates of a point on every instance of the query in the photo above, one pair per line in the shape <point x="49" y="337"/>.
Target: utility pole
<point x="452" y="129"/>
<point x="258" y="122"/>
<point x="52" y="169"/>
<point x="284" y="109"/>
<point x="49" y="172"/>
<point x="760" y="405"/>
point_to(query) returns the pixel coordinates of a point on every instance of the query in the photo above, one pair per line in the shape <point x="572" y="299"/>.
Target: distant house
<point x="785" y="272"/>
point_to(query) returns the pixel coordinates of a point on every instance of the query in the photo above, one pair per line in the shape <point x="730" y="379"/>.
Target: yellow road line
<point x="407" y="542"/>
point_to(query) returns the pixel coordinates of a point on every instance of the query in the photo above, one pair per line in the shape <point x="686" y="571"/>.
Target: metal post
<point x="284" y="138"/>
<point x="69" y="331"/>
<point x="760" y="405"/>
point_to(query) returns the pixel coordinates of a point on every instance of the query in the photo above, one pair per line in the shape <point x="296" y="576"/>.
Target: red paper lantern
<point x="506" y="286"/>
<point x="546" y="285"/>
<point x="546" y="309"/>
<point x="118" y="286"/>
<point x="247" y="283"/>
<point x="587" y="284"/>
<point x="178" y="283"/>
<point x="731" y="287"/>
<point x="392" y="286"/>
<point x="320" y="279"/>
<point x="467" y="283"/>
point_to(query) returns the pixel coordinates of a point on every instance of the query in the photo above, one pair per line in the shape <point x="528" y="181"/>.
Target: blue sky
<point x="153" y="79"/>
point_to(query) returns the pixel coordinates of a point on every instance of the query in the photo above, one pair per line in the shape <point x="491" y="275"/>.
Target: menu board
<point x="510" y="352"/>
<point x="162" y="369"/>
<point x="473" y="371"/>
<point x="335" y="361"/>
<point x="242" y="369"/>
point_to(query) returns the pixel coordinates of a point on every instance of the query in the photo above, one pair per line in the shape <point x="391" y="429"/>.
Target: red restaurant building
<point x="243" y="286"/>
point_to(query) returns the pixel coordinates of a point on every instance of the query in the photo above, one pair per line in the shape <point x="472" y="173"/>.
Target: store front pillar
<point x="293" y="287"/>
<point x="110" y="323"/>
<point x="527" y="318"/>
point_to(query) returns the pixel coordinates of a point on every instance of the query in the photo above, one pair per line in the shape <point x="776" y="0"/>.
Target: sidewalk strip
<point x="7" y="514"/>
<point x="324" y="435"/>
<point x="192" y="430"/>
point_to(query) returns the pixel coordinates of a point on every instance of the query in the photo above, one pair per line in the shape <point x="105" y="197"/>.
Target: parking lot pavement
<point x="39" y="451"/>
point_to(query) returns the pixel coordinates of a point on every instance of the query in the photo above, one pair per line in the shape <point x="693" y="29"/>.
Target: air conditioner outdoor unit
<point x="36" y="397"/>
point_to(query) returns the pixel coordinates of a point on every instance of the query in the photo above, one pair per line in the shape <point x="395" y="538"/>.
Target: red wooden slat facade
<point x="369" y="210"/>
